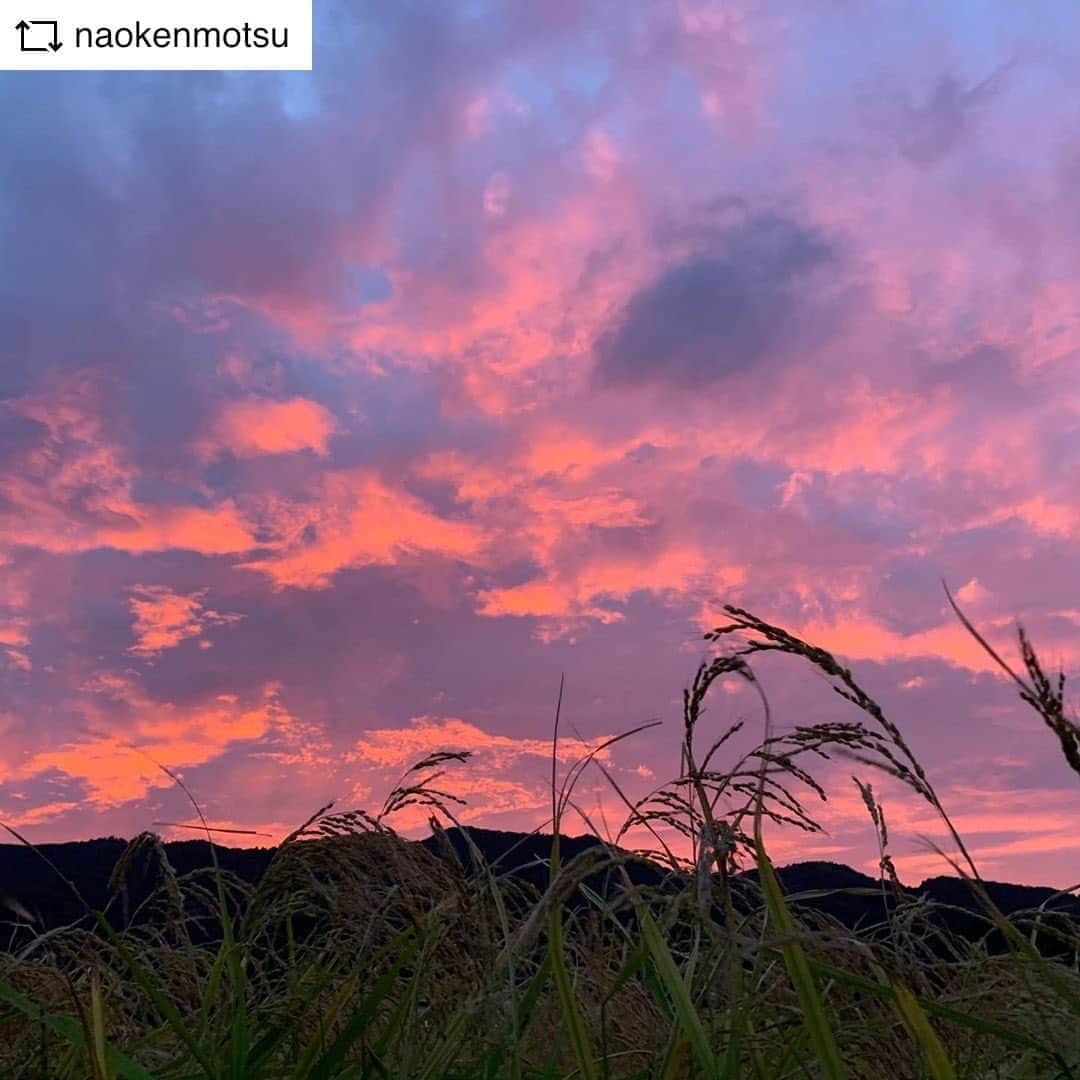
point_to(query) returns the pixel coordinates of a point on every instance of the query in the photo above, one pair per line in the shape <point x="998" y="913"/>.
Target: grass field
<point x="358" y="954"/>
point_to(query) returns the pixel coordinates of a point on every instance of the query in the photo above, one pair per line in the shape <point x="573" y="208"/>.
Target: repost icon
<point x="39" y="35"/>
<point x="166" y="35"/>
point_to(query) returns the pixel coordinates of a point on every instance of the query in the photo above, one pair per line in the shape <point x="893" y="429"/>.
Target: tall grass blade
<point x="954" y="1016"/>
<point x="357" y="1025"/>
<point x="685" y="1013"/>
<point x="815" y="1019"/>
<point x="915" y="1020"/>
<point x="573" y="1022"/>
<point x="68" y="1028"/>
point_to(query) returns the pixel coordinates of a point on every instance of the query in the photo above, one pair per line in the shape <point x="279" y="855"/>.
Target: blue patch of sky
<point x="530" y="86"/>
<point x="370" y="284"/>
<point x="222" y="475"/>
<point x="682" y="99"/>
<point x="581" y="70"/>
<point x="310" y="375"/>
<point x="300" y="98"/>
<point x="587" y="75"/>
<point x="545" y="81"/>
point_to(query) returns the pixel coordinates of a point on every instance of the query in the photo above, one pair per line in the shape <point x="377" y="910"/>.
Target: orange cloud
<point x="47" y="517"/>
<point x="164" y="618"/>
<point x="485" y="797"/>
<point x="256" y="426"/>
<point x="13" y="642"/>
<point x="39" y="814"/>
<point x="219" y="530"/>
<point x="117" y="769"/>
<point x="397" y="747"/>
<point x="548" y="503"/>
<point x="540" y="599"/>
<point x="530" y="308"/>
<point x="580" y="591"/>
<point x="355" y="520"/>
<point x="860" y="637"/>
<point x="999" y="824"/>
<point x="72" y="491"/>
<point x="567" y="452"/>
<point x="474" y="481"/>
<point x="505" y="774"/>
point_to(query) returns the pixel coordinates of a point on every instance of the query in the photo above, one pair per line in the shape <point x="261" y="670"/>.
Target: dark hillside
<point x="31" y="890"/>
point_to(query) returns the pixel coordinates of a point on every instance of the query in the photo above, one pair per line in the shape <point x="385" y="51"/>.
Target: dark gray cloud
<point x="719" y="312"/>
<point x="929" y="131"/>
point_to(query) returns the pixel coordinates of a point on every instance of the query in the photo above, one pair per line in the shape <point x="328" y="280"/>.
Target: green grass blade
<point x="357" y="1025"/>
<point x="813" y="1007"/>
<point x="523" y="1011"/>
<point x="944" y="1012"/>
<point x="438" y="1065"/>
<point x="634" y="963"/>
<point x="68" y="1028"/>
<point x="918" y="1024"/>
<point x="316" y="976"/>
<point x="161" y="1000"/>
<point x="685" y="1013"/>
<point x="571" y="1012"/>
<point x="395" y="1025"/>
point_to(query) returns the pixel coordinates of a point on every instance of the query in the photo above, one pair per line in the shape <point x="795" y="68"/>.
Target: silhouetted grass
<point x="359" y="954"/>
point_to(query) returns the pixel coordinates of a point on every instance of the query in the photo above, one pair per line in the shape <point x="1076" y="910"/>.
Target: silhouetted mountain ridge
<point x="32" y="888"/>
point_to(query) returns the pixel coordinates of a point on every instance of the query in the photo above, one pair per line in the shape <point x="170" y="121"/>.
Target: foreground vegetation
<point x="363" y="955"/>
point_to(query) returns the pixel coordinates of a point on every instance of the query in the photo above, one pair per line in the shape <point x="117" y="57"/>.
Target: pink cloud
<point x="865" y="639"/>
<point x="506" y="775"/>
<point x="122" y="767"/>
<point x="13" y="641"/>
<point x="164" y="618"/>
<point x="252" y="427"/>
<point x="398" y="747"/>
<point x="72" y="490"/>
<point x="354" y="520"/>
<point x="219" y="530"/>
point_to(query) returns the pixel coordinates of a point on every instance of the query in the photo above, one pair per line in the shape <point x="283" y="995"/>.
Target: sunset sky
<point x="342" y="412"/>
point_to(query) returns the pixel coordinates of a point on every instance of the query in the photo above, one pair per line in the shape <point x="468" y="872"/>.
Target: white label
<point x="155" y="35"/>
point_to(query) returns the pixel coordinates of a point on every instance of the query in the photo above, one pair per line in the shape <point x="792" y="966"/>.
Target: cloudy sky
<point x="342" y="412"/>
